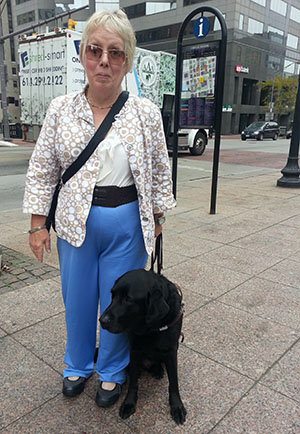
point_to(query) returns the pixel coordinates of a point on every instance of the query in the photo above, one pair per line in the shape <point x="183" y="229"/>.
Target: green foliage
<point x="284" y="94"/>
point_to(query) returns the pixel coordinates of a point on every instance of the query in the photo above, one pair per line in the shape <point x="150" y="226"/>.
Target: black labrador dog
<point x="149" y="308"/>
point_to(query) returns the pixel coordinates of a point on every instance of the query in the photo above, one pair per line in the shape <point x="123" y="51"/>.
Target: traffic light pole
<point x="5" y="122"/>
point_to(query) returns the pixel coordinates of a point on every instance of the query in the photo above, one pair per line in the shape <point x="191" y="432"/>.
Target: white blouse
<point x="114" y="166"/>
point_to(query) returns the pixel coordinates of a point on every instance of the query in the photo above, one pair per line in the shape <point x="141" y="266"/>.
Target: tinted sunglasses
<point x="94" y="53"/>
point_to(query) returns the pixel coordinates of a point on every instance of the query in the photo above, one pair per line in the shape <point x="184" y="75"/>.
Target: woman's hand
<point x="39" y="239"/>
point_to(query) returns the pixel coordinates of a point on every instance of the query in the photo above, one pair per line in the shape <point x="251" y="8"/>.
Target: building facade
<point x="263" y="41"/>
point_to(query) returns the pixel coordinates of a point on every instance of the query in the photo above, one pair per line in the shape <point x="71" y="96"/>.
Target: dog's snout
<point x="105" y="319"/>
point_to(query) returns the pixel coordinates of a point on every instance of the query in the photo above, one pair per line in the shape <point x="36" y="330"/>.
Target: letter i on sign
<point x="201" y="27"/>
<point x="200" y="35"/>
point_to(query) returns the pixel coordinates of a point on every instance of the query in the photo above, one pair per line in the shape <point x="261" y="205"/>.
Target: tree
<point x="283" y="95"/>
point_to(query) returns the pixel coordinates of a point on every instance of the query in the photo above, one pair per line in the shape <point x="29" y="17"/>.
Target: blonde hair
<point x="114" y="21"/>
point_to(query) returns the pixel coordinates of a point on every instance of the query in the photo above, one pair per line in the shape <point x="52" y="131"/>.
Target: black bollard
<point x="291" y="171"/>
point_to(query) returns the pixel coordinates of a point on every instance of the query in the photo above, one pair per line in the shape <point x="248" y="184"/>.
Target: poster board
<point x="197" y="99"/>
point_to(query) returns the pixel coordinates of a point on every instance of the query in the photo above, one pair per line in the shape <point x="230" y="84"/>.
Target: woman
<point x="97" y="244"/>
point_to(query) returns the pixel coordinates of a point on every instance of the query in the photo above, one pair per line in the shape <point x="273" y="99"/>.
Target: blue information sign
<point x="201" y="27"/>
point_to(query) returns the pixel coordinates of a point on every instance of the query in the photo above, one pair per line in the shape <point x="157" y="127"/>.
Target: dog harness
<point x="180" y="315"/>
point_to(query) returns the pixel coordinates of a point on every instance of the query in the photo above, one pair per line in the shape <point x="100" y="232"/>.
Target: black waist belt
<point x="113" y="196"/>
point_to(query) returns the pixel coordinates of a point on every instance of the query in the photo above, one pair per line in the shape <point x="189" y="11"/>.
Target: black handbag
<point x="85" y="154"/>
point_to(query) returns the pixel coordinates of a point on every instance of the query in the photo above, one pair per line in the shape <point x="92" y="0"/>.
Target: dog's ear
<point x="157" y="308"/>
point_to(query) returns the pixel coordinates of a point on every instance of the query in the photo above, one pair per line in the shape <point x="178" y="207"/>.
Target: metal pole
<point x="41" y="23"/>
<point x="272" y="96"/>
<point x="219" y="96"/>
<point x="5" y="122"/>
<point x="291" y="171"/>
<point x="218" y="111"/>
<point x="178" y="85"/>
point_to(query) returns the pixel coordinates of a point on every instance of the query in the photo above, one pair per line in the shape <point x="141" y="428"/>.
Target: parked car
<point x="261" y="130"/>
<point x="289" y="131"/>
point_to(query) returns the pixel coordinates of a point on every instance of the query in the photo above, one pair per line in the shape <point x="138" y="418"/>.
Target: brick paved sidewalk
<point x="18" y="270"/>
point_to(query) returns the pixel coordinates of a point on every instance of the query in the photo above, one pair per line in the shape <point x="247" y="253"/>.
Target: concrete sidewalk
<point x="239" y="363"/>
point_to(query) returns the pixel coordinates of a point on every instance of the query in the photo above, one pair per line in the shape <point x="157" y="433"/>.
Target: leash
<point x="158" y="254"/>
<point x="157" y="257"/>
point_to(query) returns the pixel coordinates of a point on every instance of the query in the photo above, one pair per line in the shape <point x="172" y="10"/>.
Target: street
<point x="249" y="158"/>
<point x="13" y="166"/>
<point x="240" y="158"/>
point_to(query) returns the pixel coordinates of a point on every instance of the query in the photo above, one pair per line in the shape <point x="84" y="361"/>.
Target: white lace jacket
<point x="67" y="129"/>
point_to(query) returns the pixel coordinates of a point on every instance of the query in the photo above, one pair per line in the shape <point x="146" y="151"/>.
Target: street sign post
<point x="196" y="102"/>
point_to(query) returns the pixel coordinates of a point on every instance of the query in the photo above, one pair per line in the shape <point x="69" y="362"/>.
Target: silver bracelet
<point x="38" y="228"/>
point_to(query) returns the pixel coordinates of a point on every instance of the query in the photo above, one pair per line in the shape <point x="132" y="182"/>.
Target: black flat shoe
<point x="73" y="388"/>
<point x="106" y="398"/>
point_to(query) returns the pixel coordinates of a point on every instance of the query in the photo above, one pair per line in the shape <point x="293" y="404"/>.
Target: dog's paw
<point x="157" y="371"/>
<point x="178" y="413"/>
<point x="126" y="410"/>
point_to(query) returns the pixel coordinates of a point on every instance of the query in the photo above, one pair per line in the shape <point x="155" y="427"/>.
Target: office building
<point x="263" y="41"/>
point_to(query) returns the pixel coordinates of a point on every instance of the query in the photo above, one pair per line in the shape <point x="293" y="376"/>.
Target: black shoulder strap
<point x="96" y="139"/>
<point x="85" y="154"/>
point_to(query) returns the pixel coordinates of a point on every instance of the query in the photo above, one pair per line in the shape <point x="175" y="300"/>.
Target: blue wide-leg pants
<point x="113" y="245"/>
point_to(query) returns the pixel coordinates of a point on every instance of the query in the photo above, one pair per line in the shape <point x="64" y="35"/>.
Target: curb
<point x="7" y="144"/>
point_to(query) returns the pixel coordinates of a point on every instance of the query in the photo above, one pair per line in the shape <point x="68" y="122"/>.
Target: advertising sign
<point x="147" y="68"/>
<point x="49" y="67"/>
<point x="153" y="75"/>
<point x="75" y="78"/>
<point x="197" y="102"/>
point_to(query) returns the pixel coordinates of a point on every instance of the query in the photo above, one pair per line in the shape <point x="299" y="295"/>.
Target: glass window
<point x="260" y="2"/>
<point x="26" y="18"/>
<point x="249" y="91"/>
<point x="275" y="35"/>
<point x="138" y="10"/>
<point x="15" y="83"/>
<point x="295" y="14"/>
<point x="217" y="24"/>
<point x="156" y="34"/>
<point x="14" y="71"/>
<point x="289" y="67"/>
<point x="292" y="41"/>
<point x="278" y="6"/>
<point x="154" y="8"/>
<point x="108" y="5"/>
<point x="255" y="26"/>
<point x="273" y="63"/>
<point x="18" y="2"/>
<point x="44" y="14"/>
<point x="191" y="2"/>
<point x="12" y="49"/>
<point x="9" y="16"/>
<point x="241" y="22"/>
